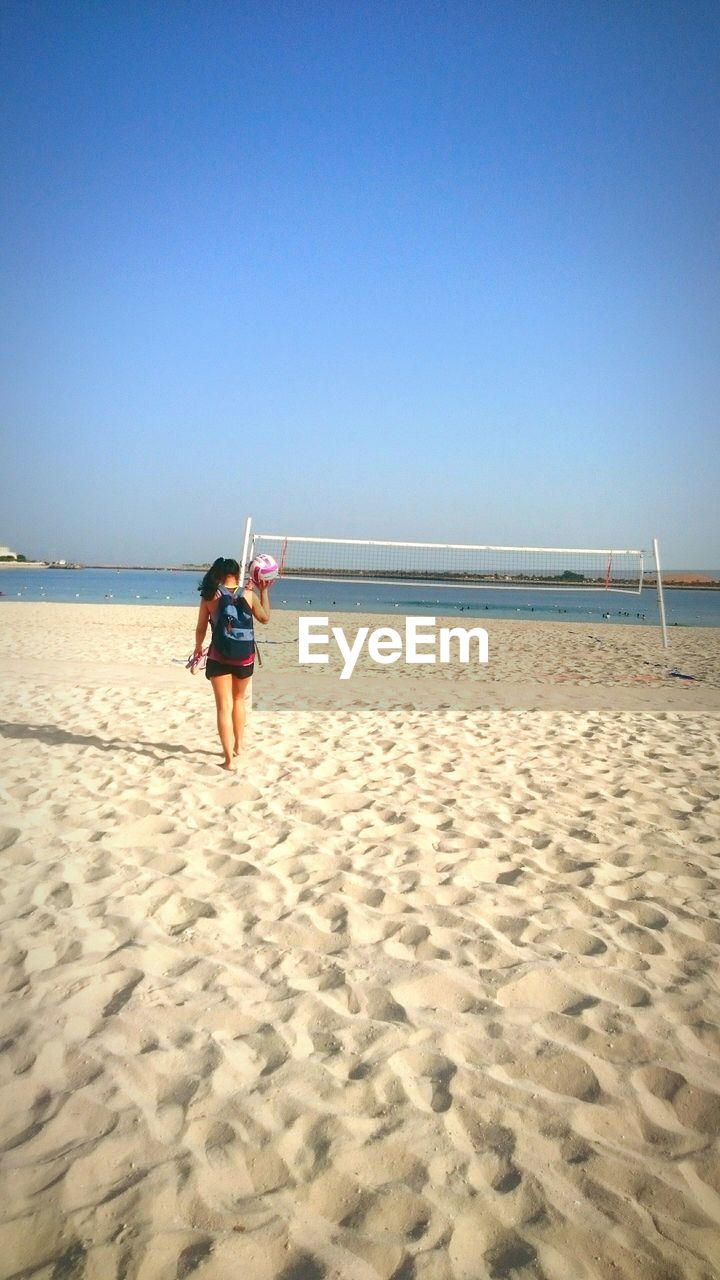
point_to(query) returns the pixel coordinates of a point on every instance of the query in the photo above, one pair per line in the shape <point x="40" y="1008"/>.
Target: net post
<point x="243" y="569"/>
<point x="661" y="601"/>
<point x="245" y="550"/>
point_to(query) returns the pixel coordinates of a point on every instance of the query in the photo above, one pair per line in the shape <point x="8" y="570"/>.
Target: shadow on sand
<point x="52" y="736"/>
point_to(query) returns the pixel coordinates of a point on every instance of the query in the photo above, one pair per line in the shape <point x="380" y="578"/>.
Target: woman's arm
<point x="260" y="608"/>
<point x="202" y="625"/>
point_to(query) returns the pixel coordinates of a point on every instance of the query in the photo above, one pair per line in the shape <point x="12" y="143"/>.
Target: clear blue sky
<point x="442" y="271"/>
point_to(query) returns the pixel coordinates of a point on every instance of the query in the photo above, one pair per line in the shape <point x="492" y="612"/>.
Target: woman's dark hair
<point x="219" y="570"/>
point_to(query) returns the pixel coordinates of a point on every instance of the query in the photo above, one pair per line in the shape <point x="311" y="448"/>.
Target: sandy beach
<point x="428" y="990"/>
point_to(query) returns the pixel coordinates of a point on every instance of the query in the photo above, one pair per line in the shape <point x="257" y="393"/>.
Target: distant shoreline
<point x="24" y="564"/>
<point x="120" y="568"/>
<point x="452" y="580"/>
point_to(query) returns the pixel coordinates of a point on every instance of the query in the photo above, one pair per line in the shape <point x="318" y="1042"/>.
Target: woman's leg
<point x="239" y="691"/>
<point x="222" y="688"/>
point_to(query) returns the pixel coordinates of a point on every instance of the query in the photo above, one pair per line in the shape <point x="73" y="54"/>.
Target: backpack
<point x="233" y="636"/>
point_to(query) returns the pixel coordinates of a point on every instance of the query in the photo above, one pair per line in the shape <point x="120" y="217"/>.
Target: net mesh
<point x="443" y="564"/>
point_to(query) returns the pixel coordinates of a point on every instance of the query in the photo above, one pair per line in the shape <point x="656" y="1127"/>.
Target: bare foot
<point x="237" y="748"/>
<point x="229" y="765"/>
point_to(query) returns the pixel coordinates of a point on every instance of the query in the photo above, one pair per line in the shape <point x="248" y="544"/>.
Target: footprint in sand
<point x="167" y="864"/>
<point x="345" y="802"/>
<point x="604" y="985"/>
<point x="411" y="935"/>
<point x="338" y="1198"/>
<point x="578" y="942"/>
<point x="399" y="1211"/>
<point x="695" y="1108"/>
<point x="24" y="1110"/>
<point x="229" y="867"/>
<point x="40" y="958"/>
<point x="94" y="999"/>
<point x="382" y="1007"/>
<point x="540" y="989"/>
<point x="143" y="832"/>
<point x="437" y="991"/>
<point x="582" y="833"/>
<point x="513" y="927"/>
<point x="55" y="896"/>
<point x="8" y="837"/>
<point x="370" y="896"/>
<point x="331" y="915"/>
<point x="425" y="1077"/>
<point x="640" y="940"/>
<point x="647" y="916"/>
<point x="481" y="1245"/>
<point x="178" y="913"/>
<point x="563" y="1073"/>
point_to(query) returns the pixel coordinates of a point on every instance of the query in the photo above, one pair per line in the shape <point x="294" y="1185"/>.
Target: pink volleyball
<point x="264" y="570"/>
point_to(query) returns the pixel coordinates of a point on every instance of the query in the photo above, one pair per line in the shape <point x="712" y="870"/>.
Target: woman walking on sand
<point x="223" y="605"/>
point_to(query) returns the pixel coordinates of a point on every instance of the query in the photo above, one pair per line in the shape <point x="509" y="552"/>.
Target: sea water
<point x="684" y="608"/>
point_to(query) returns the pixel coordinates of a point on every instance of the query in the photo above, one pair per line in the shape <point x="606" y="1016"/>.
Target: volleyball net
<point x="452" y="564"/>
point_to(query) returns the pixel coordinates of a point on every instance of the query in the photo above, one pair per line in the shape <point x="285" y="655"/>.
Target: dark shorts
<point x="214" y="668"/>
